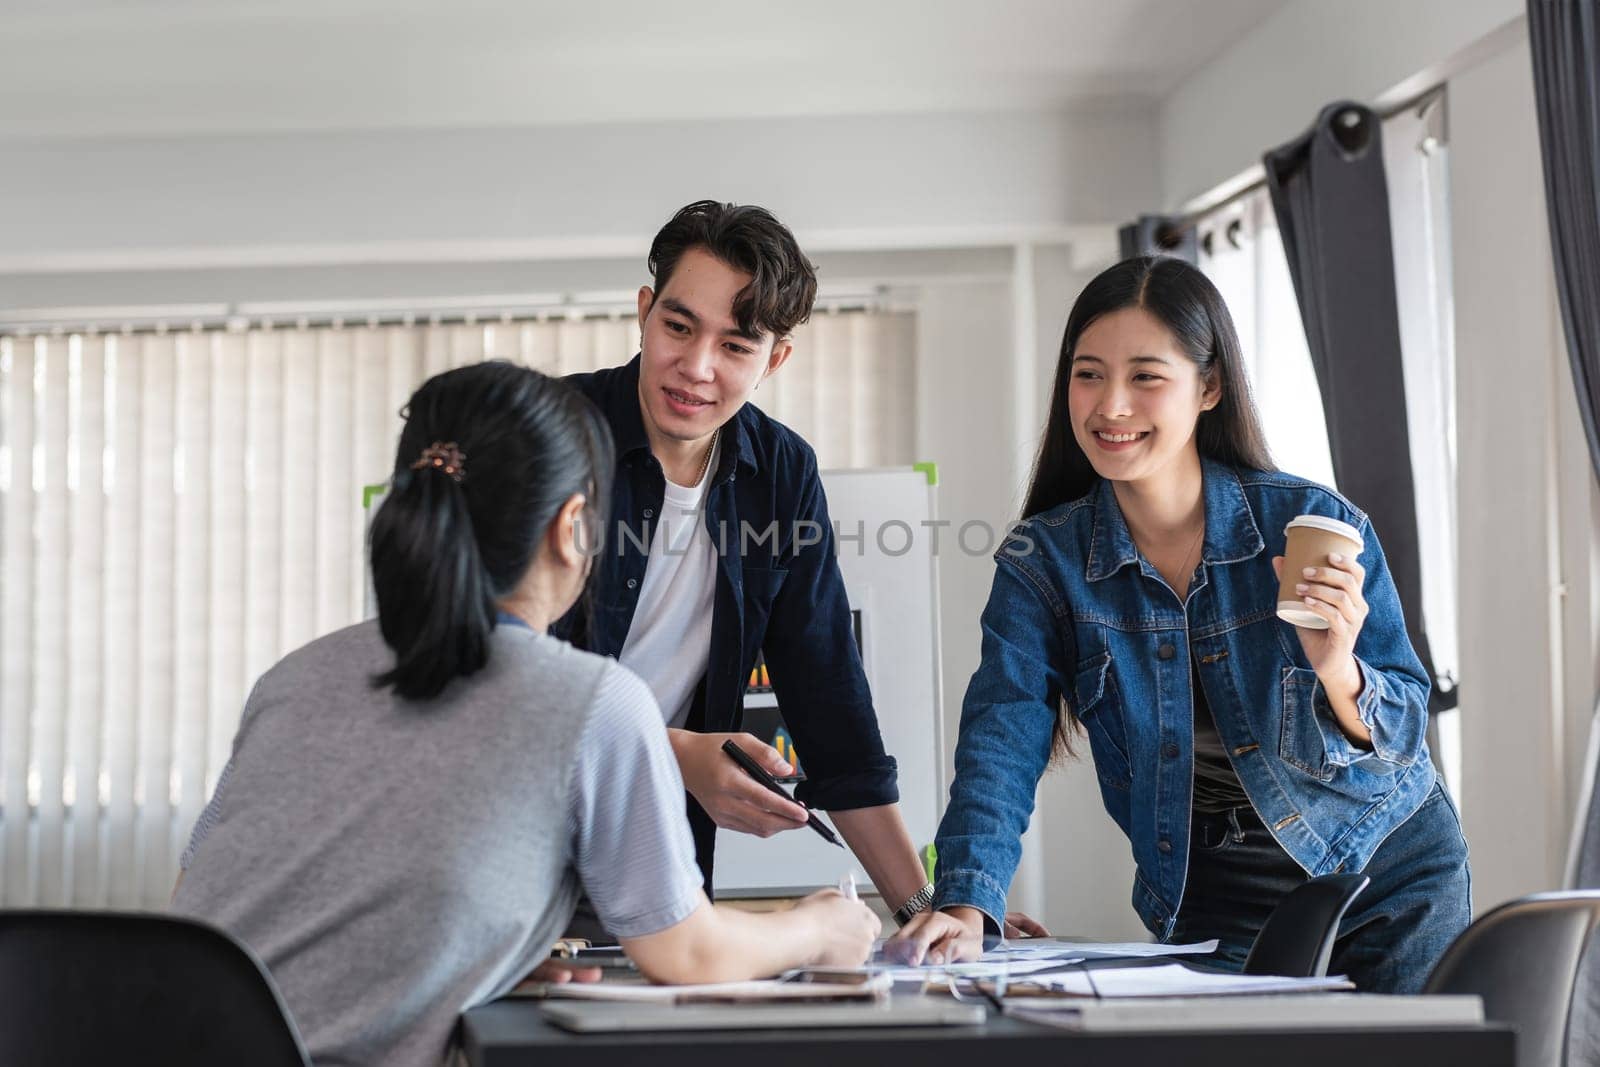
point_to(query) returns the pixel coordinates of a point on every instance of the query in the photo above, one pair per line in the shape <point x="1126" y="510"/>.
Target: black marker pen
<point x="759" y="773"/>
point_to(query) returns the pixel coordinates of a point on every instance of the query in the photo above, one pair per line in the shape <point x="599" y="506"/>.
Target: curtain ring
<point x="1352" y="128"/>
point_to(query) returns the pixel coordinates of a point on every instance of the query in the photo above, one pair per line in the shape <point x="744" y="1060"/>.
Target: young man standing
<point x="722" y="547"/>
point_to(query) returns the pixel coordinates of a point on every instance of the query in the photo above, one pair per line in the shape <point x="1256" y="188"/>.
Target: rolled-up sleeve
<point x="1393" y="703"/>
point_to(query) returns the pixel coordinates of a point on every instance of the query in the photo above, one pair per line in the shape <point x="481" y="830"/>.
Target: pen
<point x="759" y="773"/>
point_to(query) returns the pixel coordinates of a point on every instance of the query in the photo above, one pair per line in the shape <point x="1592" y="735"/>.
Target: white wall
<point x="574" y="191"/>
<point x="1269" y="86"/>
<point x="1526" y="495"/>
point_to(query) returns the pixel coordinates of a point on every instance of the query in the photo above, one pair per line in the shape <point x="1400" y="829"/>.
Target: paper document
<point x="763" y="990"/>
<point x="1308" y="1011"/>
<point x="978" y="969"/>
<point x="1047" y="948"/>
<point x="1165" y="980"/>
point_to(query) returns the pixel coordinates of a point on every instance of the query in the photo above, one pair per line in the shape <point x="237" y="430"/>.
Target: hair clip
<point x="443" y="456"/>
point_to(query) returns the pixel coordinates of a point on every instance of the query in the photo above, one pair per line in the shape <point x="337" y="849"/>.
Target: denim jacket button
<point x="649" y="512"/>
<point x="633" y="583"/>
<point x="1164" y="845"/>
<point x="1166" y="652"/>
<point x="1170" y="750"/>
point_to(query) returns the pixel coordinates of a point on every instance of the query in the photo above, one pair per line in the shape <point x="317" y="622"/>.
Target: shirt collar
<point x="1231" y="531"/>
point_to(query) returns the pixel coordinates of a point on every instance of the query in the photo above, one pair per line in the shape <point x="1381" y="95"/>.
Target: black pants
<point x="1393" y="934"/>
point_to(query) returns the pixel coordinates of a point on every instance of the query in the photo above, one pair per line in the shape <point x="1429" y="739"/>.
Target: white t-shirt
<point x="669" y="641"/>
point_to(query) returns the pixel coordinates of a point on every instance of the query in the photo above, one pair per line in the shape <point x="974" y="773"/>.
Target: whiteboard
<point x="891" y="578"/>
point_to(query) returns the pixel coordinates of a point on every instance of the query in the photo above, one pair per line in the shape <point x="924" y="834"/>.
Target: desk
<point x="511" y="1033"/>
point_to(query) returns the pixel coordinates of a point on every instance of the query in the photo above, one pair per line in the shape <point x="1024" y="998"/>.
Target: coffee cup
<point x="1310" y="540"/>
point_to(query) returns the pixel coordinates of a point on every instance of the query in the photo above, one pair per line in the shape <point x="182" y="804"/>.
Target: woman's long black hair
<point x="444" y="551"/>
<point x="1183" y="299"/>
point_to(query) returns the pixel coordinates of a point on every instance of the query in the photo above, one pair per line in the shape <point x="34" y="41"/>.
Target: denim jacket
<point x="1077" y="613"/>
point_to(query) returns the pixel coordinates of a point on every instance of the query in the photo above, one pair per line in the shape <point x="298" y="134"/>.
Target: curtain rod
<point x="1256" y="179"/>
<point x="236" y="323"/>
<point x="488" y="311"/>
<point x="233" y="323"/>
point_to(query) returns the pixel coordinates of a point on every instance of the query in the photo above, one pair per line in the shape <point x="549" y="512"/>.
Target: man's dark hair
<point x="783" y="283"/>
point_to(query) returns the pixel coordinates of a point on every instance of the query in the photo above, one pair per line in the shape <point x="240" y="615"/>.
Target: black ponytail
<point x="446" y="546"/>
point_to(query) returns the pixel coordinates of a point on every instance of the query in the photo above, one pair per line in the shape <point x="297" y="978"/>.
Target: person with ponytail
<point x="1137" y="604"/>
<point x="412" y="801"/>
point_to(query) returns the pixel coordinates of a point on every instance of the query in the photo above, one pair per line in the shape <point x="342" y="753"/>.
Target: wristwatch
<point x="920" y="900"/>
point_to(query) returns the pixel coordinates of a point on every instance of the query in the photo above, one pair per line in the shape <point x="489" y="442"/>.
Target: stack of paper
<point x="1011" y="959"/>
<point x="978" y="969"/>
<point x="1165" y="980"/>
<point x="1046" y="948"/>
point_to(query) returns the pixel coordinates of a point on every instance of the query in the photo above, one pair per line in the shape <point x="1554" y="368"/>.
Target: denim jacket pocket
<point x="1097" y="704"/>
<point x="1301" y="744"/>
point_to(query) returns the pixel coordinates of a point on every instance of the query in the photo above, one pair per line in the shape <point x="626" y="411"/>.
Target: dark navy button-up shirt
<point x="778" y="590"/>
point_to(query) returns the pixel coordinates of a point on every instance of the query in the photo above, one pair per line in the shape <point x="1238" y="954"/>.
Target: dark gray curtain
<point x="1332" y="205"/>
<point x="1158" y="235"/>
<point x="1566" y="78"/>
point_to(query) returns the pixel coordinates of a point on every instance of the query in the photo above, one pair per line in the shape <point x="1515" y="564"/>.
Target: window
<point x="1243" y="254"/>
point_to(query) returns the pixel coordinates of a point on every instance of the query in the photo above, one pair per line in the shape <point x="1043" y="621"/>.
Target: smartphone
<point x="825" y="976"/>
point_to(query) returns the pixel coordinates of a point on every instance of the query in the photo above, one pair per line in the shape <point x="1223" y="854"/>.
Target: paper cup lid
<point x="1322" y="522"/>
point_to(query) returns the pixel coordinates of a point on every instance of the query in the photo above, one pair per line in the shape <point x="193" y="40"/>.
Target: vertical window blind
<point x="179" y="508"/>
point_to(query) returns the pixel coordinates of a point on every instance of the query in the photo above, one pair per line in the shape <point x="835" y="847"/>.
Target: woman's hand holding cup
<point x="1321" y="595"/>
<point x="1332" y="592"/>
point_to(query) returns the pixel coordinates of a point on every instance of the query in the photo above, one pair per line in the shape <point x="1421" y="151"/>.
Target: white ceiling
<point x="97" y="67"/>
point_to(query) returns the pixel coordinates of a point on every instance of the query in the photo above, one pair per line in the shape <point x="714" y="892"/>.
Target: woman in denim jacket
<point x="1137" y="605"/>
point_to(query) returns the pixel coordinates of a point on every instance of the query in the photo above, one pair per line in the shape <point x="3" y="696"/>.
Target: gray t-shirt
<point x="395" y="863"/>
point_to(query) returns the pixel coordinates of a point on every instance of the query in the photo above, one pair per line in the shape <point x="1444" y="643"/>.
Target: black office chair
<point x="1522" y="959"/>
<point x="85" y="988"/>
<point x="1297" y="939"/>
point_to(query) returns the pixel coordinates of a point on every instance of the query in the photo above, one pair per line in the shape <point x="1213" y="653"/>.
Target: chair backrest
<point x="134" y="988"/>
<point x="1522" y="959"/>
<point x="1297" y="939"/>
